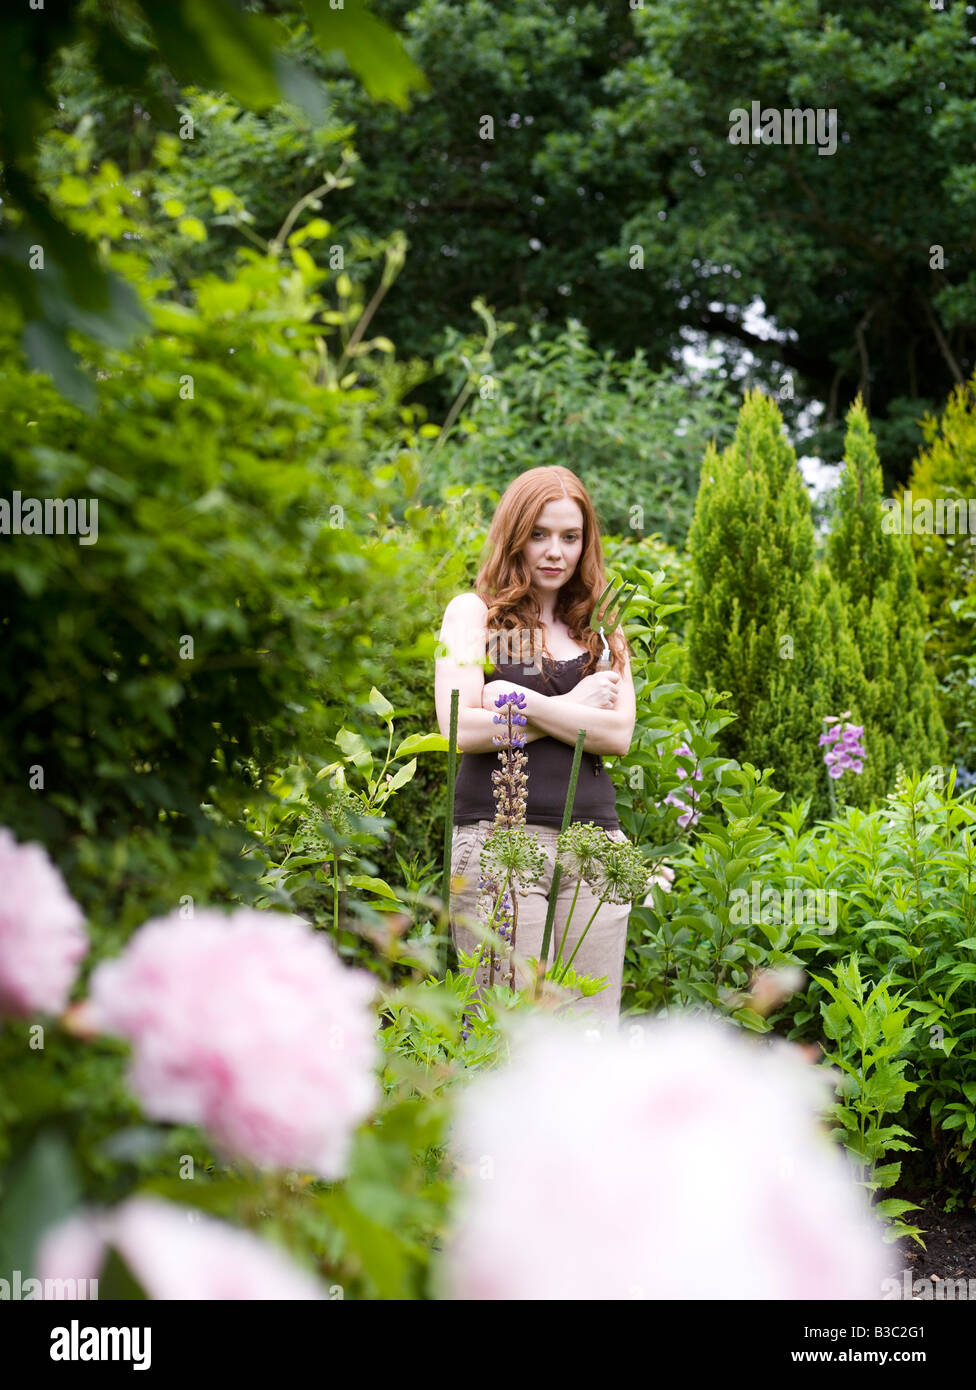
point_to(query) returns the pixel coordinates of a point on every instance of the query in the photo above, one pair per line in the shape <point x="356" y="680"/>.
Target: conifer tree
<point x="760" y="624"/>
<point x="896" y="695"/>
<point x="945" y="470"/>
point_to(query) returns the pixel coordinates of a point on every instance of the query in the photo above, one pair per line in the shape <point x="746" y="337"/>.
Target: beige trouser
<point x="602" y="951"/>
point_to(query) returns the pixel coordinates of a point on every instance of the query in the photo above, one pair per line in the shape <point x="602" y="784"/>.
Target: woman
<point x="531" y="610"/>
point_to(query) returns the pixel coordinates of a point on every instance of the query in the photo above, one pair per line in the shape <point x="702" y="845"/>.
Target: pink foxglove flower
<point x="175" y="1253"/>
<point x="683" y="1161"/>
<point x="249" y="1025"/>
<point x="689" y="813"/>
<point x="846" y="752"/>
<point x="42" y="932"/>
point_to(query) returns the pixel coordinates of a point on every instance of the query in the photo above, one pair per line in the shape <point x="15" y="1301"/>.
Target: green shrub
<point x="226" y="610"/>
<point x="895" y="886"/>
<point x="894" y="693"/>
<point x="946" y="469"/>
<point x="636" y="436"/>
<point x="758" y="621"/>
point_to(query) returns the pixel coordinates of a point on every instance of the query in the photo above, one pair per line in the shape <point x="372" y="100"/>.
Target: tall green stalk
<point x="562" y="973"/>
<point x="448" y="831"/>
<point x="556" y="873"/>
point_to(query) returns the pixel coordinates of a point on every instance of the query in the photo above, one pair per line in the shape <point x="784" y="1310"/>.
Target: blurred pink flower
<point x="42" y="932"/>
<point x="771" y="987"/>
<point x="175" y="1253"/>
<point x="249" y="1025"/>
<point x="685" y="1161"/>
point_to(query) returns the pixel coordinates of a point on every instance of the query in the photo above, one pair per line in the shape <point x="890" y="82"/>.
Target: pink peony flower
<point x="684" y="1162"/>
<point x="42" y="932"/>
<point x="249" y="1025"/>
<point x="175" y="1253"/>
<point x="771" y="987"/>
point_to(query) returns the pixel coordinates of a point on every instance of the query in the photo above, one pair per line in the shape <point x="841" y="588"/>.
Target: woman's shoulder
<point x="467" y="606"/>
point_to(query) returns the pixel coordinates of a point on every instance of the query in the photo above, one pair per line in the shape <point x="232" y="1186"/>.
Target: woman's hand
<point x="599" y="690"/>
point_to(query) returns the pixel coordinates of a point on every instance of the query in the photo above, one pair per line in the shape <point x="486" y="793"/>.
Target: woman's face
<point x="555" y="545"/>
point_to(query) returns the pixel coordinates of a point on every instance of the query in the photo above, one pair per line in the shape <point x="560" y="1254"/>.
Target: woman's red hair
<point x="504" y="582"/>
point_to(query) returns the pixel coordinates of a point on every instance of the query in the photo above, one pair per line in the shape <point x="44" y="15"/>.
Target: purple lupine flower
<point x="517" y="740"/>
<point x="491" y="888"/>
<point x="511" y="716"/>
<point x="509" y="790"/>
<point x="510" y="781"/>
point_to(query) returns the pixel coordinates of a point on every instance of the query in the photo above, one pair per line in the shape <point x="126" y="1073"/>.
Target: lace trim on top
<point x="565" y="660"/>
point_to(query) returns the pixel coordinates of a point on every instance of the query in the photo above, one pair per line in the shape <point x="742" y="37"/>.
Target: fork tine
<point x="619" y="612"/>
<point x="600" y="602"/>
<point x="595" y="615"/>
<point x="614" y="609"/>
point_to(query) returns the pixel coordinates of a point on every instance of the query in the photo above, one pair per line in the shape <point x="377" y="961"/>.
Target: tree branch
<point x="940" y="338"/>
<point x="864" y="385"/>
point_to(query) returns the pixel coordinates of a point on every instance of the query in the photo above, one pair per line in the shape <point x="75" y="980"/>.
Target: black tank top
<point x="547" y="762"/>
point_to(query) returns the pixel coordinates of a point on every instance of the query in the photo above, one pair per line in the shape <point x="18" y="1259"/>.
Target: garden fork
<point x="606" y="622"/>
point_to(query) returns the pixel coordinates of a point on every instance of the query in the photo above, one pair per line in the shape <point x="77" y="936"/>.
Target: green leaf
<point x="688" y="919"/>
<point x="217" y="46"/>
<point x="355" y="748"/>
<point x="74" y="191"/>
<point x="888" y="1173"/>
<point x="117" y="1281"/>
<point x="374" y="885"/>
<point x="41" y="1190"/>
<point x="895" y="1206"/>
<point x="955" y="1121"/>
<point x="47" y="351"/>
<point x="703" y="990"/>
<point x="372" y="49"/>
<point x="422" y="743"/>
<point x="752" y="1020"/>
<point x="380" y="704"/>
<point x="222" y="198"/>
<point x="307" y="267"/>
<point x="384" y="1258"/>
<point x="193" y="228"/>
<point x="404" y="775"/>
<point x="734" y="870"/>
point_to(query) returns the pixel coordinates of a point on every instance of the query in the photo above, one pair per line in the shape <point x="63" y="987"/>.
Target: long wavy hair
<point x="504" y="582"/>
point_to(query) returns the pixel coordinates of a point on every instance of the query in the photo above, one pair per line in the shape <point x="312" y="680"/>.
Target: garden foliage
<point x="945" y="472"/>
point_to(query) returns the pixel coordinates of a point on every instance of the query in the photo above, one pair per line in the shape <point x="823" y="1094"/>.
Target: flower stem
<point x="556" y="873"/>
<point x="579" y="943"/>
<point x="572" y="906"/>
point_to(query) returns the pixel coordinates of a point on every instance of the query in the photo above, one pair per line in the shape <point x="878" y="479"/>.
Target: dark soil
<point x="950" y="1244"/>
